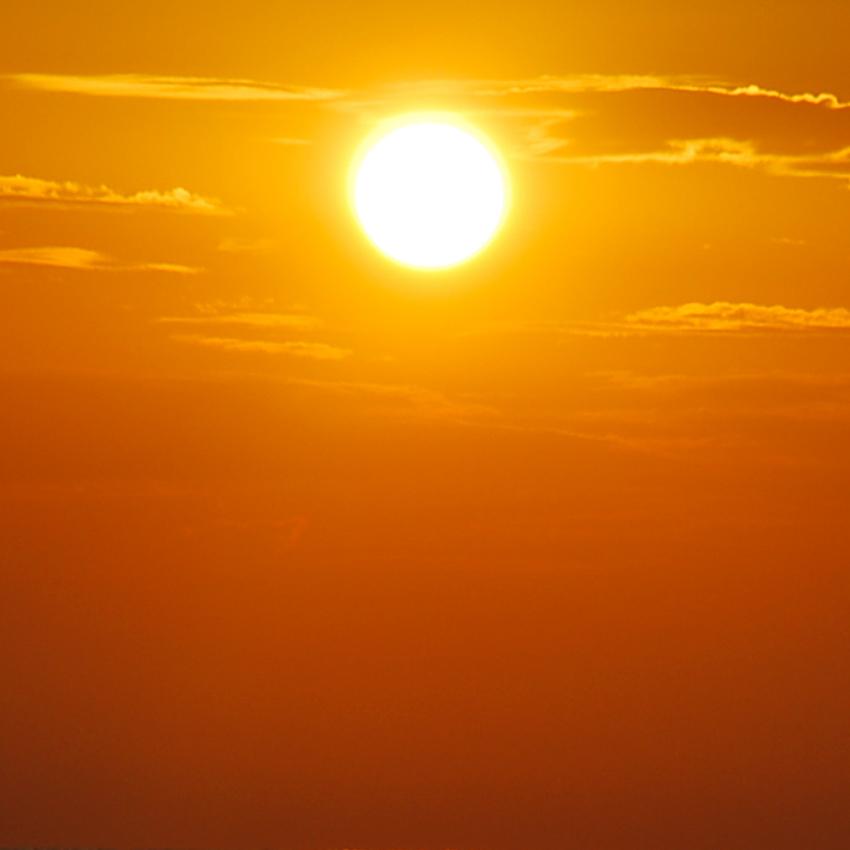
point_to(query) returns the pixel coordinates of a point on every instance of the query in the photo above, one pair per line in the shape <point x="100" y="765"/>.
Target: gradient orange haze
<point x="303" y="549"/>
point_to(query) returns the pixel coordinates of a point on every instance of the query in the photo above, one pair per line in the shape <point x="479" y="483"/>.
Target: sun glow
<point x="430" y="194"/>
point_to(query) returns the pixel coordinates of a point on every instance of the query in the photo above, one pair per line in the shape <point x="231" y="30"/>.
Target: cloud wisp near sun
<point x="16" y="189"/>
<point x="81" y="259"/>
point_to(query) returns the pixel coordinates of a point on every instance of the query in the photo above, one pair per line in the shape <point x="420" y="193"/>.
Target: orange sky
<point x="304" y="550"/>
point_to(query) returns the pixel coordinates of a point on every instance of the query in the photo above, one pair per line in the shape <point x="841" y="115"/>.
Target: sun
<point x="429" y="193"/>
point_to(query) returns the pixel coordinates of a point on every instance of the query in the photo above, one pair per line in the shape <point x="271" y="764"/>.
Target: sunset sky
<point x="302" y="549"/>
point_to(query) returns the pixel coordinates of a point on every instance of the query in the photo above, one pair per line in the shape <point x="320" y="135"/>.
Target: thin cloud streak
<point x="726" y="317"/>
<point x="81" y="259"/>
<point x="19" y="189"/>
<point x="298" y="348"/>
<point x="228" y="89"/>
<point x="831" y="164"/>
<point x="255" y="320"/>
<point x="172" y="88"/>
<point x="613" y="83"/>
<point x="719" y="317"/>
<point x="541" y="143"/>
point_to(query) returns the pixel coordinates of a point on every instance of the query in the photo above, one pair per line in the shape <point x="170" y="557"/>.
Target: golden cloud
<point x="81" y="259"/>
<point x="172" y="88"/>
<point x="832" y="164"/>
<point x="604" y="83"/>
<point x="256" y="320"/>
<point x="725" y="317"/>
<point x="720" y="317"/>
<point x="541" y="141"/>
<point x="20" y="189"/>
<point x="310" y="350"/>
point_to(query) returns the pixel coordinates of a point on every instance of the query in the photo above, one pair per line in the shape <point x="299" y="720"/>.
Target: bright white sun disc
<point x="429" y="194"/>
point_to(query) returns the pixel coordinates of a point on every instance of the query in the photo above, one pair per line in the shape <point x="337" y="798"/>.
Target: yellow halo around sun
<point x="429" y="193"/>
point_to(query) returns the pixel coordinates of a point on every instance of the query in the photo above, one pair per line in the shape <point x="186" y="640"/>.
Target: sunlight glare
<point x="429" y="194"/>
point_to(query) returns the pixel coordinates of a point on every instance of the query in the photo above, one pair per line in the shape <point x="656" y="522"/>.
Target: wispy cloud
<point x="517" y="100"/>
<point x="830" y="164"/>
<point x="219" y="88"/>
<point x="81" y="259"/>
<point x="20" y="189"/>
<point x="172" y="88"/>
<point x="726" y="317"/>
<point x="520" y="101"/>
<point x="719" y="317"/>
<point x="255" y="320"/>
<point x="309" y="350"/>
<point x="613" y="83"/>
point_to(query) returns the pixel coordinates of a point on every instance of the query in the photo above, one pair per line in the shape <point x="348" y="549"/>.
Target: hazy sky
<point x="304" y="550"/>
